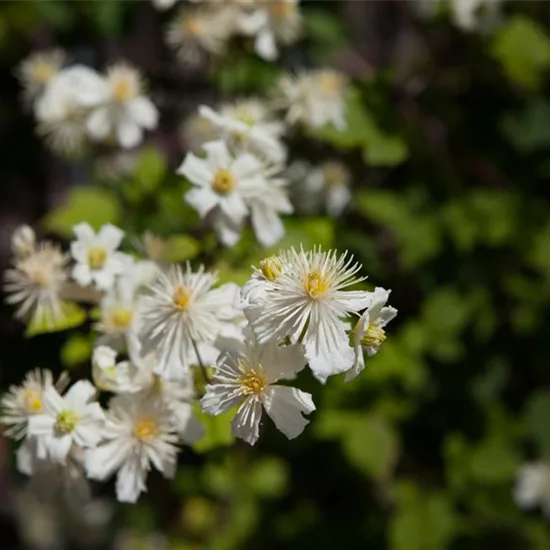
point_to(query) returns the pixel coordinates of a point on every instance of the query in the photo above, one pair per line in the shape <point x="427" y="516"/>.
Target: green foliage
<point x="95" y="206"/>
<point x="217" y="431"/>
<point x="71" y="315"/>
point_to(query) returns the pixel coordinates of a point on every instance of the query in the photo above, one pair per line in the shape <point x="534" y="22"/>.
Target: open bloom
<point x="271" y="22"/>
<point x="72" y="418"/>
<point x="245" y="377"/>
<point x="369" y="334"/>
<point x="248" y="126"/>
<point x="24" y="401"/>
<point x="138" y="434"/>
<point x="533" y="487"/>
<point x="96" y="255"/>
<point x="306" y="301"/>
<point x="35" y="283"/>
<point x="36" y="71"/>
<point x="314" y="98"/>
<point x="200" y="30"/>
<point x="221" y="181"/>
<point x="124" y="111"/>
<point x="181" y="311"/>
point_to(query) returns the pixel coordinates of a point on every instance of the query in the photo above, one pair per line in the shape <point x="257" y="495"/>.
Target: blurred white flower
<point x="314" y="98"/>
<point x="369" y="332"/>
<point x="533" y="487"/>
<point x="37" y="70"/>
<point x="138" y="434"/>
<point x="164" y="4"/>
<point x="123" y="111"/>
<point x="22" y="402"/>
<point x="248" y="125"/>
<point x="23" y="242"/>
<point x="198" y="31"/>
<point x="266" y="203"/>
<point x="245" y="377"/>
<point x="62" y="109"/>
<point x="109" y="375"/>
<point x="35" y="283"/>
<point x="98" y="260"/>
<point x="196" y="130"/>
<point x="271" y="22"/>
<point x="182" y="311"/>
<point x="72" y="418"/>
<point x="307" y="302"/>
<point x="221" y="181"/>
<point x="316" y="187"/>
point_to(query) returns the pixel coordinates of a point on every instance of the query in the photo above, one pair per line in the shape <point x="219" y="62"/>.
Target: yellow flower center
<point x="145" y="428"/>
<point x="96" y="257"/>
<point x="121" y="317"/>
<point x="316" y="284"/>
<point x="123" y="90"/>
<point x="243" y="115"/>
<point x="66" y="422"/>
<point x="271" y="267"/>
<point x="42" y="72"/>
<point x="374" y="337"/>
<point x="330" y="85"/>
<point x="252" y="382"/>
<point x="223" y="182"/>
<point x="33" y="400"/>
<point x="193" y="26"/>
<point x="182" y="297"/>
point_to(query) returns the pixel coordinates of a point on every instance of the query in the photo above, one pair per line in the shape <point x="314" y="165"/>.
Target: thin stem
<point x="201" y="364"/>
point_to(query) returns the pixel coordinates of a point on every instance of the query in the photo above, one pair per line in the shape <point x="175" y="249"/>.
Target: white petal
<point x="217" y="155"/>
<point x="98" y="123"/>
<point x="144" y="112"/>
<point x="203" y="200"/>
<point x="265" y="45"/>
<point x="234" y="207"/>
<point x="83" y="232"/>
<point x="129" y="133"/>
<point x="285" y="406"/>
<point x="227" y="230"/>
<point x="79" y="394"/>
<point x="110" y="237"/>
<point x="130" y="481"/>
<point x="59" y="448"/>
<point x="82" y="274"/>
<point x="246" y="424"/>
<point x="268" y="227"/>
<point x="530" y="484"/>
<point x="195" y="170"/>
<point x="102" y="462"/>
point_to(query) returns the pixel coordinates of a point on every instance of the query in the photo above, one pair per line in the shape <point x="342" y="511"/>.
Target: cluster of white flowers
<point x="158" y="328"/>
<point x="240" y="174"/>
<point x="206" y="29"/>
<point x="75" y="106"/>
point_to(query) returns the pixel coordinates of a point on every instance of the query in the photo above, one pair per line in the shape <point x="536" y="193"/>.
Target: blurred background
<point x="450" y="178"/>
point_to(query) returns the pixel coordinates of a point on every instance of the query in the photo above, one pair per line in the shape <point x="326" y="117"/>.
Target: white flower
<point x="533" y="487"/>
<point x="36" y="71"/>
<point x="23" y="242"/>
<point x="96" y="255"/>
<point x="22" y="402"/>
<point x="266" y="203"/>
<point x="109" y="375"/>
<point x="35" y="284"/>
<point x="245" y="377"/>
<point x="369" y="332"/>
<point x="307" y="303"/>
<point x="472" y="15"/>
<point x="221" y="181"/>
<point x="314" y="186"/>
<point x="124" y="111"/>
<point x="271" y="22"/>
<point x="62" y="109"/>
<point x="248" y="125"/>
<point x="197" y="31"/>
<point x="163" y="5"/>
<point x="183" y="310"/>
<point x="138" y="433"/>
<point x="196" y="130"/>
<point x="72" y="418"/>
<point x="314" y="98"/>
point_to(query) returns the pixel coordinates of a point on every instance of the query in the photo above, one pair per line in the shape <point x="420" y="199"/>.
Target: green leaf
<point x="150" y="169"/>
<point x="523" y="49"/>
<point x="76" y="350"/>
<point x="536" y="420"/>
<point x="323" y="26"/>
<point x="108" y="16"/>
<point x="217" y="431"/>
<point x="384" y="150"/>
<point x="269" y="477"/>
<point x="181" y="247"/>
<point x="71" y="316"/>
<point x="308" y="232"/>
<point x="93" y="205"/>
<point x="528" y="130"/>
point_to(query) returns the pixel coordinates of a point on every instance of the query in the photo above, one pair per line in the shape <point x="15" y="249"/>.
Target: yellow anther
<point x="315" y="284"/>
<point x="66" y="422"/>
<point x="121" y="317"/>
<point x="271" y="267"/>
<point x="182" y="297"/>
<point x="123" y="90"/>
<point x="252" y="382"/>
<point x="145" y="428"/>
<point x="374" y="337"/>
<point x="223" y="182"/>
<point x="96" y="257"/>
<point x="33" y="400"/>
